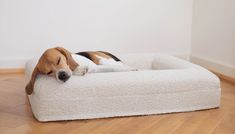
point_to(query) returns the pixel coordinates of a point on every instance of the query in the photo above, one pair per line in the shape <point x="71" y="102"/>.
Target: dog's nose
<point x="63" y="76"/>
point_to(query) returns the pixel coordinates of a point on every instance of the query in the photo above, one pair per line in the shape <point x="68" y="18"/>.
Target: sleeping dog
<point x="61" y="64"/>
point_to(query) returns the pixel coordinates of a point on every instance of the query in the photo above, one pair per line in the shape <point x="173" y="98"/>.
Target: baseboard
<point x="183" y="56"/>
<point x="14" y="63"/>
<point x="12" y="71"/>
<point x="224" y="77"/>
<point x="223" y="71"/>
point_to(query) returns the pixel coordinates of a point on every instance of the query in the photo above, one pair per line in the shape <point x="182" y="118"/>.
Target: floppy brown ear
<point x="70" y="61"/>
<point x="30" y="86"/>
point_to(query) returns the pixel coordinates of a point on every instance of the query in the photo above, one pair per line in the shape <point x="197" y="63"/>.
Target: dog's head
<point x="56" y="62"/>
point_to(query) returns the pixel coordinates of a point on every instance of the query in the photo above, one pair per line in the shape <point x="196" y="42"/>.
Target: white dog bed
<point x="164" y="84"/>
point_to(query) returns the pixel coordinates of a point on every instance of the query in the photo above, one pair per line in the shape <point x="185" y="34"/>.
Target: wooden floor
<point x="16" y="117"/>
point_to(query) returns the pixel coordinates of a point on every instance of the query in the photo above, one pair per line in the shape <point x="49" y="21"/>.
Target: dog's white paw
<point x="134" y="69"/>
<point x="128" y="68"/>
<point x="80" y="70"/>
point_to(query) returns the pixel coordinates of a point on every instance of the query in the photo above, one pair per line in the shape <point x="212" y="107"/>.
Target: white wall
<point x="213" y="35"/>
<point x="28" y="27"/>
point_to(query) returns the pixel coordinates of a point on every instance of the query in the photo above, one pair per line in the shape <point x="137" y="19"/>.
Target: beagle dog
<point x="61" y="64"/>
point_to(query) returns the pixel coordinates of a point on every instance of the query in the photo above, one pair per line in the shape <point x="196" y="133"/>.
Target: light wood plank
<point x="11" y="70"/>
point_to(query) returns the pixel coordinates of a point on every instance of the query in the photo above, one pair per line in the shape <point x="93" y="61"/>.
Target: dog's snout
<point x="63" y="76"/>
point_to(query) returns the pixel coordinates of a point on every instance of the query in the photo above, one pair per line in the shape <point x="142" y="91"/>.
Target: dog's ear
<point x="30" y="86"/>
<point x="70" y="61"/>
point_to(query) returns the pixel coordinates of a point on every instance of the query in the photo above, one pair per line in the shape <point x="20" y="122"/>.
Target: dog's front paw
<point x="134" y="69"/>
<point x="80" y="70"/>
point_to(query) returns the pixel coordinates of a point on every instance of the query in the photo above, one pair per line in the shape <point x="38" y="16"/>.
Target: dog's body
<point x="102" y="62"/>
<point x="61" y="64"/>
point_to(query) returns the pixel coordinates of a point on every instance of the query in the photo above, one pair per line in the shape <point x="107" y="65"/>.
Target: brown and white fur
<point x="61" y="64"/>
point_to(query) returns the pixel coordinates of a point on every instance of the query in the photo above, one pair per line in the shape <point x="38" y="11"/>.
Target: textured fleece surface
<point x="163" y="84"/>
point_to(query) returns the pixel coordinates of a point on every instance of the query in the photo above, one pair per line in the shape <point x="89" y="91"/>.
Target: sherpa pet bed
<point x="163" y="84"/>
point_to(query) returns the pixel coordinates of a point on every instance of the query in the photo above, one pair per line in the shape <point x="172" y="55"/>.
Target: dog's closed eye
<point x="58" y="62"/>
<point x="49" y="72"/>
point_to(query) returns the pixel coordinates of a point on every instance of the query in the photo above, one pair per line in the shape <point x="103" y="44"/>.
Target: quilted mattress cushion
<point x="163" y="84"/>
